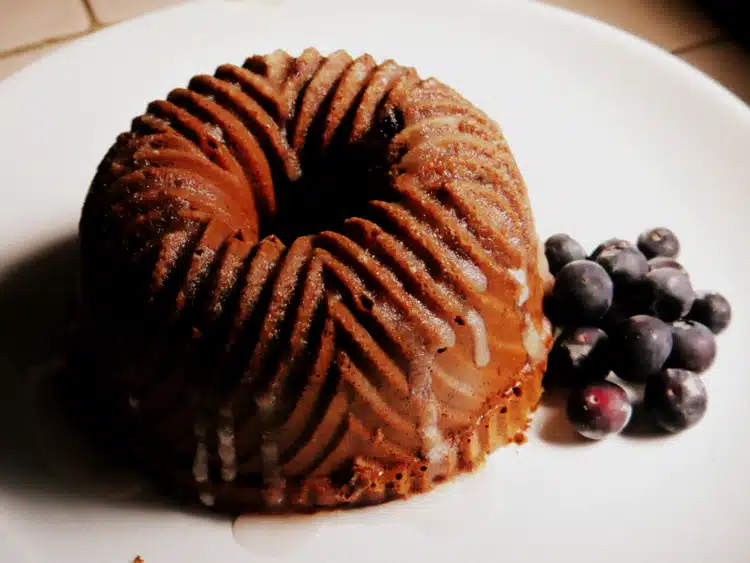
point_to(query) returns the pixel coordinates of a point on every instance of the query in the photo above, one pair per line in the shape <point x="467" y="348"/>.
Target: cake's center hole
<point x="332" y="189"/>
<point x="335" y="185"/>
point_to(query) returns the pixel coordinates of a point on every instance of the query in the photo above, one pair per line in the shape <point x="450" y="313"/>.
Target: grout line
<point x="43" y="43"/>
<point x="92" y="16"/>
<point x="699" y="44"/>
<point x="94" y="26"/>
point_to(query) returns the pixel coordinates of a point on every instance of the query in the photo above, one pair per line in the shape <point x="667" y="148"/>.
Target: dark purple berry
<point x="561" y="249"/>
<point x="611" y="244"/>
<point x="640" y="347"/>
<point x="599" y="409"/>
<point x="693" y="346"/>
<point x="676" y="399"/>
<point x="617" y="313"/>
<point x="712" y="310"/>
<point x="625" y="266"/>
<point x="628" y="302"/>
<point x="579" y="355"/>
<point x="550" y="311"/>
<point x="582" y="293"/>
<point x="659" y="242"/>
<point x="668" y="293"/>
<point x="665" y="262"/>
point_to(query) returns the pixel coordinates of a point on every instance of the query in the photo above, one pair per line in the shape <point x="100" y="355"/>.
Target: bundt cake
<point x="310" y="282"/>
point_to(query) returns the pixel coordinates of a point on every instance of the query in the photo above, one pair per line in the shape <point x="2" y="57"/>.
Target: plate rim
<point x="692" y="76"/>
<point x="604" y="29"/>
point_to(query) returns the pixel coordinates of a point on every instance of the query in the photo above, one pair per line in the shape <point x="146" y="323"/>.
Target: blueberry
<point x="561" y="249"/>
<point x="668" y="293"/>
<point x="626" y="266"/>
<point x="599" y="409"/>
<point x="617" y="313"/>
<point x="628" y="302"/>
<point x="659" y="242"/>
<point x="712" y="310"/>
<point x="579" y="355"/>
<point x="611" y="244"/>
<point x="665" y="262"/>
<point x="583" y="293"/>
<point x="676" y="399"/>
<point x="640" y="347"/>
<point x="693" y="346"/>
<point x="550" y="310"/>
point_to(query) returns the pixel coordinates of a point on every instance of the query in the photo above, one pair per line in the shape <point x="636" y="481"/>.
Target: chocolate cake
<point x="311" y="282"/>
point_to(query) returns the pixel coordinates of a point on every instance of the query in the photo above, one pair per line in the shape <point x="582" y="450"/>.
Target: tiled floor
<point x="671" y="24"/>
<point x="28" y="22"/>
<point x="726" y="62"/>
<point x="32" y="28"/>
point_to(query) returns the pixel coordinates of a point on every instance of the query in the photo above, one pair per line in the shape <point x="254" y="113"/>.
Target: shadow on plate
<point x="642" y="426"/>
<point x="555" y="427"/>
<point x="44" y="453"/>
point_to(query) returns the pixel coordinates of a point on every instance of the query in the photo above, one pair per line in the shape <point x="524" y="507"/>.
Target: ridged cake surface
<point x="311" y="282"/>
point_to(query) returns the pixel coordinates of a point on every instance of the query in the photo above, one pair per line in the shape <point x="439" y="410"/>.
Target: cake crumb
<point x="138" y="559"/>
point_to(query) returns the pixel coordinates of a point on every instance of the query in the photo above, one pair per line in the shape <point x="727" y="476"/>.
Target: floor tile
<point x="671" y="24"/>
<point x="727" y="62"/>
<point x="24" y="22"/>
<point x="111" y="11"/>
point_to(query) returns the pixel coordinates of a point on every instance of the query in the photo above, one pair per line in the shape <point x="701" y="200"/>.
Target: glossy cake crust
<point x="311" y="282"/>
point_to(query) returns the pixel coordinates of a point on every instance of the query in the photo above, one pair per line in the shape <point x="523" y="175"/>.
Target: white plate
<point x="612" y="136"/>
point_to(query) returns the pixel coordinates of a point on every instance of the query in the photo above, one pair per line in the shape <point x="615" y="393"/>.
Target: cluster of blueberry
<point x="630" y="309"/>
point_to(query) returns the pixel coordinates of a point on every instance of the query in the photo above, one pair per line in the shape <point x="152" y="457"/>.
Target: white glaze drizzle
<point x="226" y="448"/>
<point x="437" y="449"/>
<point x="434" y="447"/>
<point x="207" y="499"/>
<point x="421" y="360"/>
<point x="273" y="482"/>
<point x="471" y="272"/>
<point x="533" y="340"/>
<point x="215" y="132"/>
<point x="542" y="265"/>
<point x="200" y="461"/>
<point x="444" y="331"/>
<point x="520" y="276"/>
<point x="458" y="385"/>
<point x="477" y="329"/>
<point x="479" y="334"/>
